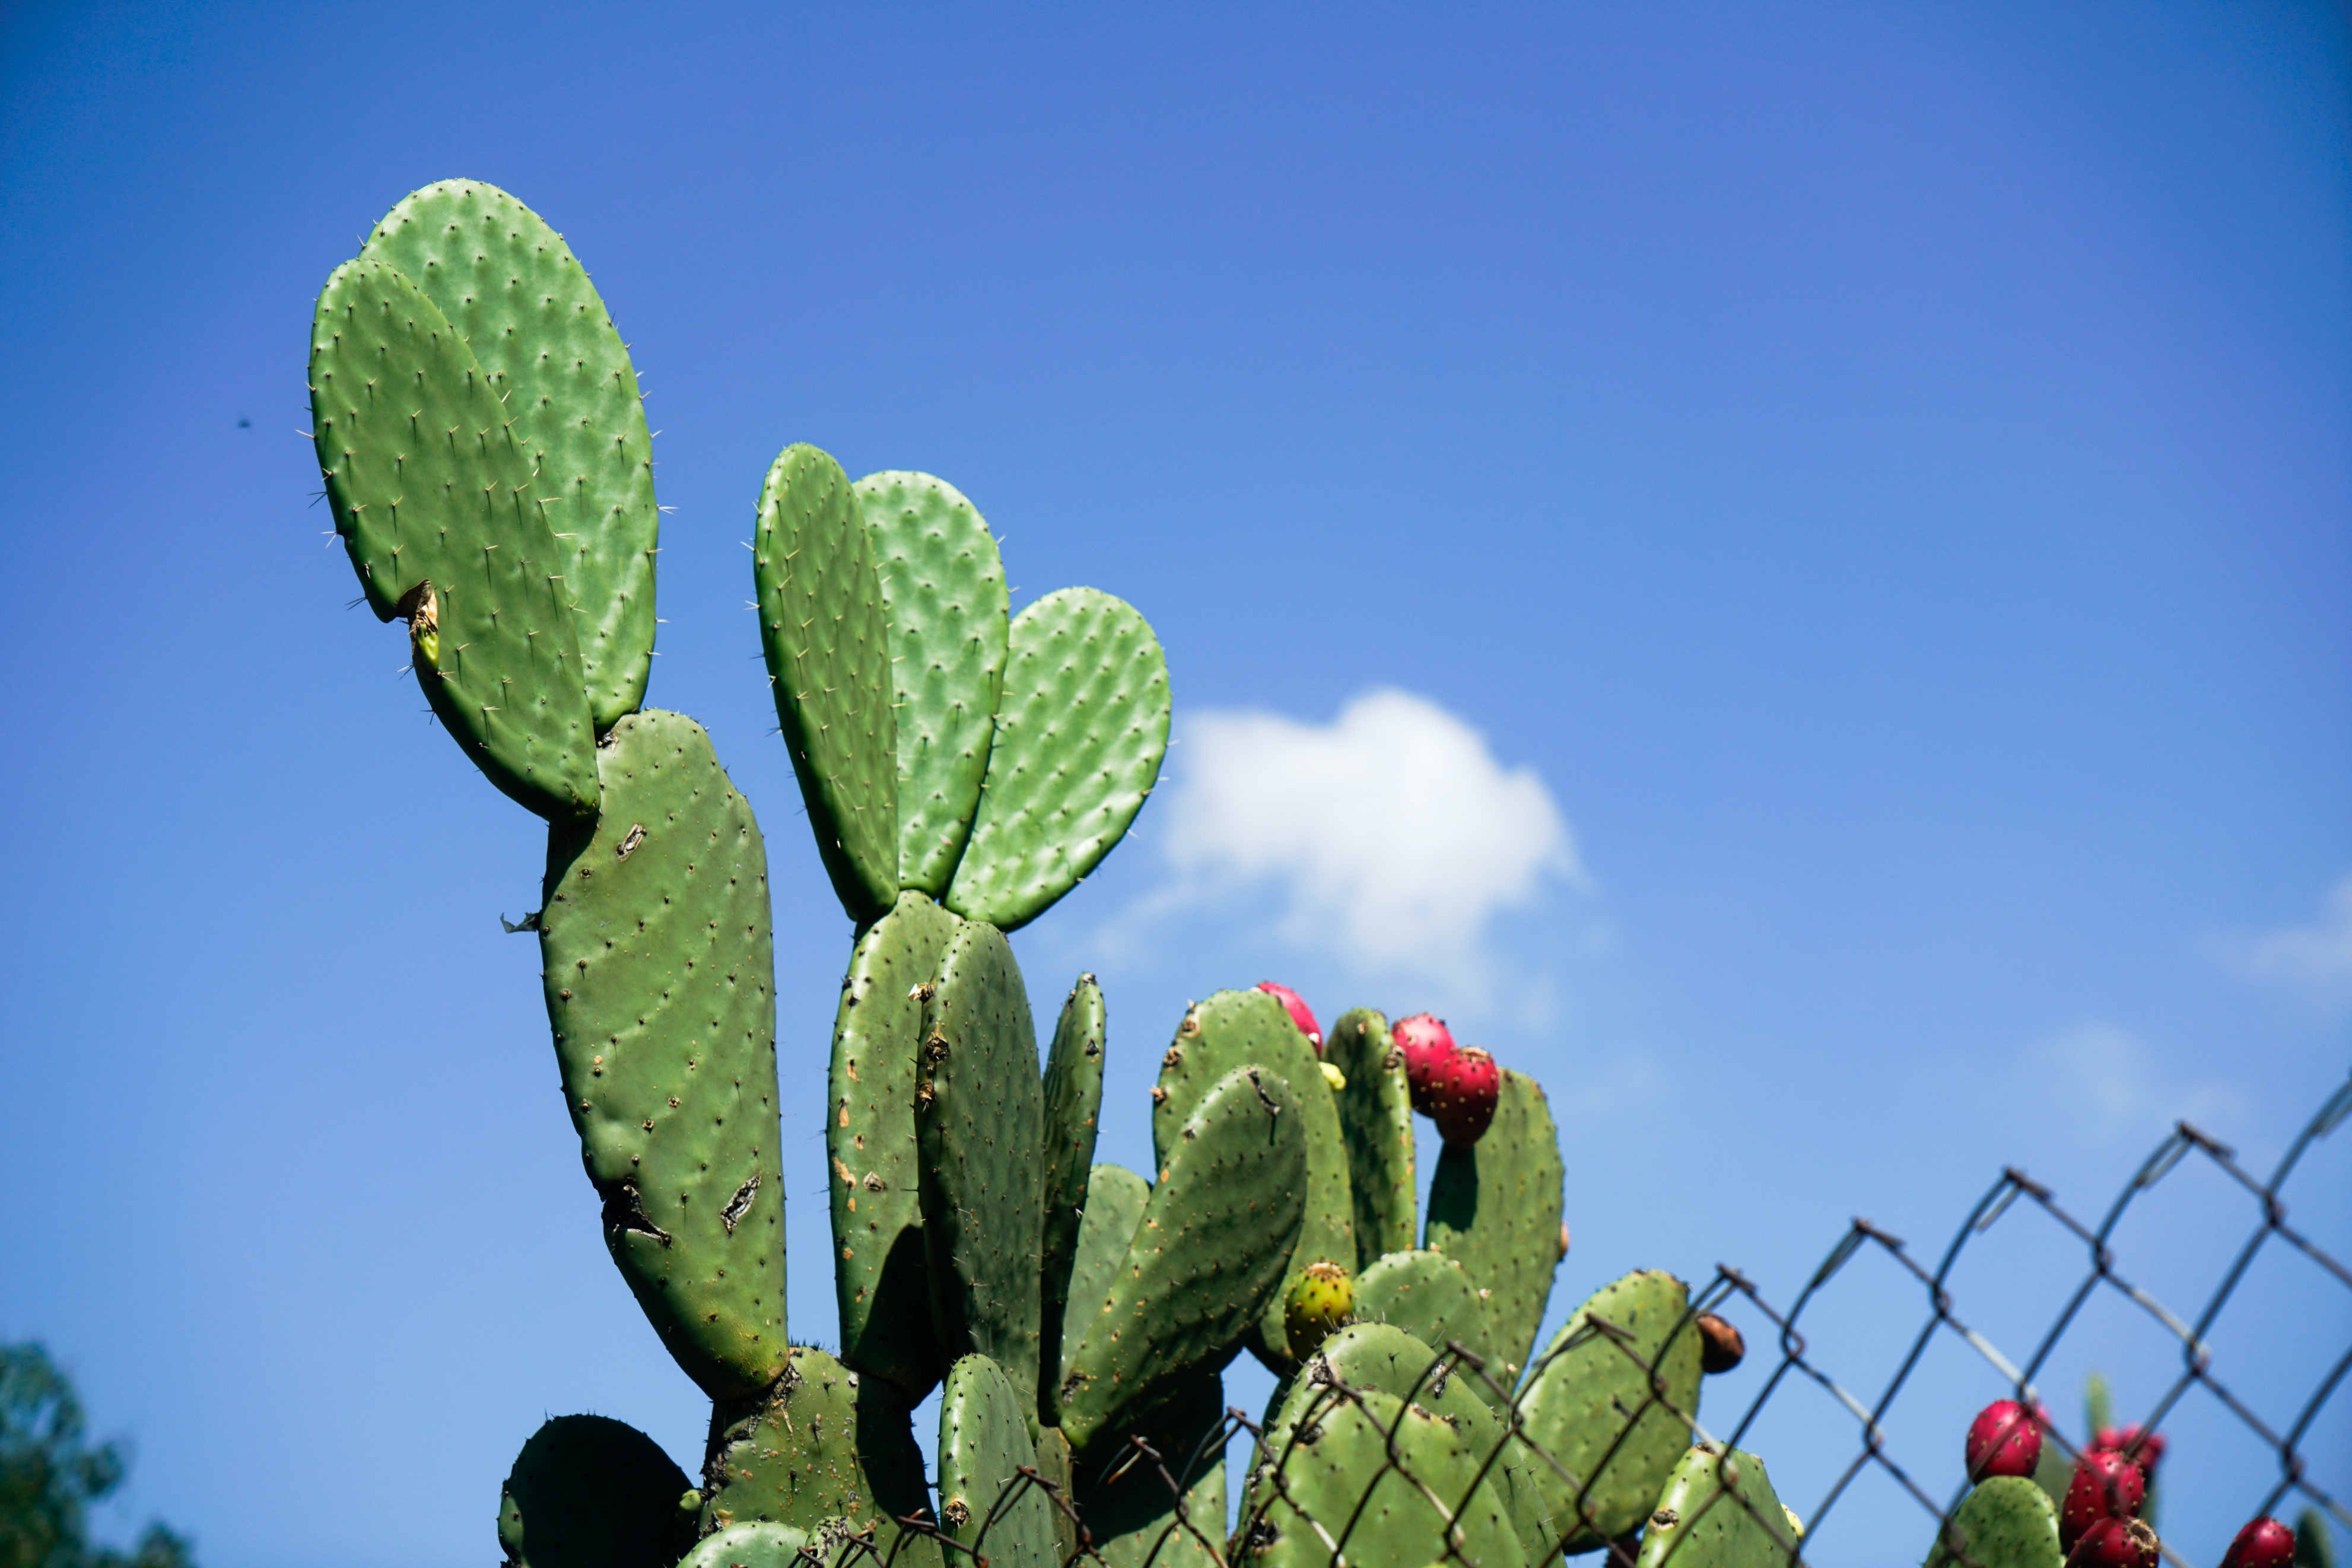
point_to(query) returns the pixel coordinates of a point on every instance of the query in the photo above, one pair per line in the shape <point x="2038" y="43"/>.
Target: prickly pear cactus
<point x="523" y="303"/>
<point x="1495" y="1207"/>
<point x="1718" y="1509"/>
<point x="1239" y="1028"/>
<point x="983" y="1448"/>
<point x="1074" y="1075"/>
<point x="944" y="592"/>
<point x="881" y="1283"/>
<point x="828" y="640"/>
<point x="1079" y="737"/>
<point x="432" y="492"/>
<point x="1376" y="1126"/>
<point x="590" y="1492"/>
<point x="2006" y="1521"/>
<point x="1432" y="1298"/>
<point x="658" y="976"/>
<point x="1116" y="1198"/>
<point x="1130" y="1501"/>
<point x="1206" y="1261"/>
<point x="756" y="1545"/>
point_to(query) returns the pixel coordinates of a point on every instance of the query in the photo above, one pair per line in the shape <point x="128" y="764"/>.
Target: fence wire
<point x="1406" y="1514"/>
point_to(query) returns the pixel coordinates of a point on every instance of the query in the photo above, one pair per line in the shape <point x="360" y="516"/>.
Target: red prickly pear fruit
<point x="2117" y="1543"/>
<point x="1300" y="1013"/>
<point x="1462" y="1095"/>
<point x="2003" y="1440"/>
<point x="1720" y="1347"/>
<point x="1319" y="1304"/>
<point x="2142" y="1448"/>
<point x="1425" y="1041"/>
<point x="2264" y="1543"/>
<point x="2105" y="1486"/>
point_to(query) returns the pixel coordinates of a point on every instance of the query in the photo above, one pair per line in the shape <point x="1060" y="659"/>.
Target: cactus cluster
<point x="479" y="431"/>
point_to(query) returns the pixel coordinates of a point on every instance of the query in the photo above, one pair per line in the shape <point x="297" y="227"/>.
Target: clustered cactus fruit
<point x="479" y="426"/>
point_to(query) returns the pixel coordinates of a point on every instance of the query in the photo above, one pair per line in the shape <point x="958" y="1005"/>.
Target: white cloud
<point x="2317" y="956"/>
<point x="1393" y="832"/>
<point x="2103" y="1080"/>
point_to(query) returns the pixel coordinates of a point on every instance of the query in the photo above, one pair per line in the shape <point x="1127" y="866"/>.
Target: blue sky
<point x="1853" y="502"/>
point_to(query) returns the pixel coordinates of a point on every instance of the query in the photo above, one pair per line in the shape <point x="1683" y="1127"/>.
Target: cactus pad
<point x="1116" y="1198"/>
<point x="1718" y="1511"/>
<point x="1376" y="1126"/>
<point x="1495" y="1206"/>
<point x="1080" y="731"/>
<point x="539" y="329"/>
<point x="1589" y="1405"/>
<point x="1433" y="1298"/>
<point x="1129" y="1505"/>
<point x="2006" y="1521"/>
<point x="759" y="1545"/>
<point x="659" y="985"/>
<point x="1345" y="1496"/>
<point x="983" y="1445"/>
<point x="943" y="585"/>
<point x="878" y="1274"/>
<point x="1208" y="1257"/>
<point x="432" y="493"/>
<point x="590" y="1492"/>
<point x="979" y="1123"/>
<point x="824" y="1445"/>
<point x="1074" y="1075"/>
<point x="1235" y="1028"/>
<point x="827" y="640"/>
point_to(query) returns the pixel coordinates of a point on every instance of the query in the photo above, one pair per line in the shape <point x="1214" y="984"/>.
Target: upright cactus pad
<point x="880" y="1280"/>
<point x="590" y="1492"/>
<point x="1208" y="1257"/>
<point x="828" y="646"/>
<point x="1080" y="732"/>
<point x="823" y="1447"/>
<point x="1074" y="1077"/>
<point x="979" y="1123"/>
<point x="524" y="305"/>
<point x="1495" y="1208"/>
<point x="756" y="1545"/>
<point x="983" y="1448"/>
<point x="1376" y="1127"/>
<point x="1236" y="1029"/>
<point x="1168" y="1513"/>
<point x="1433" y="1298"/>
<point x="658" y="982"/>
<point x="432" y="492"/>
<point x="2004" y="1522"/>
<point x="1718" y="1511"/>
<point x="943" y="585"/>
<point x="1116" y="1198"/>
<point x="1590" y="1405"/>
<point x="1359" y="1492"/>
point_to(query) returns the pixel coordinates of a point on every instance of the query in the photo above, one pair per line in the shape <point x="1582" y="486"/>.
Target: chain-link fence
<point x="1481" y="1495"/>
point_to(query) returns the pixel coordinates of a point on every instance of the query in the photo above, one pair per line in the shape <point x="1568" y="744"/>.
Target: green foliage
<point x="1116" y="1198"/>
<point x="1718" y="1509"/>
<point x="50" y="1473"/>
<point x="2005" y="1521"/>
<point x="590" y="1492"/>
<point x="1376" y="1126"/>
<point x="1074" y="1080"/>
<point x="1433" y="1298"/>
<point x="1495" y="1207"/>
<point x="983" y="1448"/>
<point x="1130" y="1501"/>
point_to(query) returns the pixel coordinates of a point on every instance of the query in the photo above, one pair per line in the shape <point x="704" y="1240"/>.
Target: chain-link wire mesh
<point x="1406" y="1510"/>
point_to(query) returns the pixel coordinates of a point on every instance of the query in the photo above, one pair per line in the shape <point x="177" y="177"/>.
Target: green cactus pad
<point x="2005" y="1521"/>
<point x="759" y="1545"/>
<point x="431" y="488"/>
<point x="979" y="1123"/>
<point x="1495" y="1208"/>
<point x="880" y="1282"/>
<point x="1376" y="1126"/>
<point x="1074" y="1078"/>
<point x="1080" y="731"/>
<point x="1116" y="1198"/>
<point x="660" y="986"/>
<point x="1129" y="1502"/>
<point x="1590" y="1387"/>
<point x="1433" y="1298"/>
<point x="1718" y="1509"/>
<point x="1234" y="1029"/>
<point x="1208" y="1257"/>
<point x="824" y="1448"/>
<point x="983" y="1445"/>
<point x="827" y="640"/>
<point x="590" y="1492"/>
<point x="943" y="585"/>
<point x="1053" y="1465"/>
<point x="524" y="305"/>
<point x="1347" y="1491"/>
